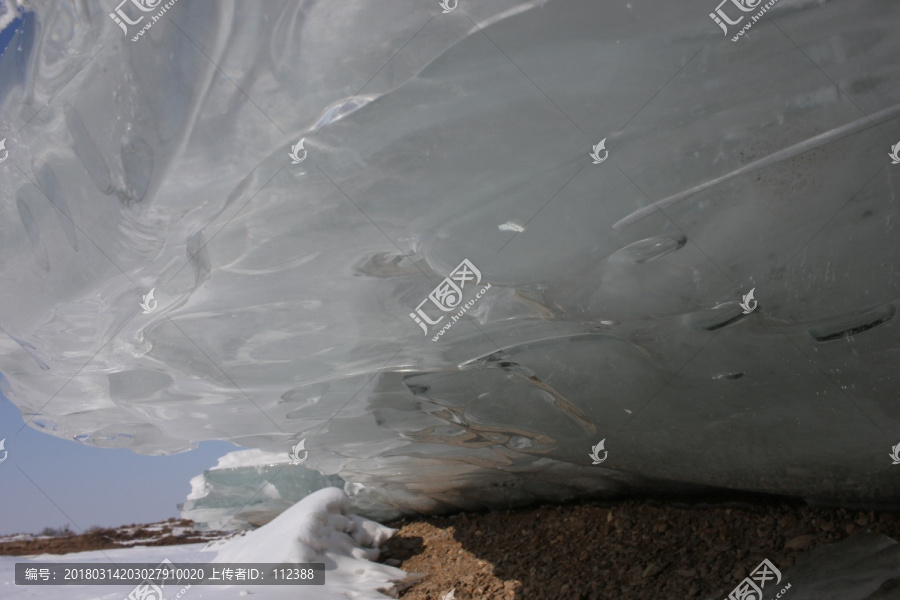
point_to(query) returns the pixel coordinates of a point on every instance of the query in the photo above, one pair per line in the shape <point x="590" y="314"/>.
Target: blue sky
<point x="7" y="34"/>
<point x="46" y="481"/>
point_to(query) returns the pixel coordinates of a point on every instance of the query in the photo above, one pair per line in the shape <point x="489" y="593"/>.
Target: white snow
<point x="319" y="528"/>
<point x="199" y="488"/>
<point x="251" y="458"/>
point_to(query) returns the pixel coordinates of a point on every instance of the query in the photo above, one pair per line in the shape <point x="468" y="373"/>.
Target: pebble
<point x="801" y="542"/>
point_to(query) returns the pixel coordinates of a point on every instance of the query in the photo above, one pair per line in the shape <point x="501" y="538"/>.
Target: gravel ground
<point x="629" y="550"/>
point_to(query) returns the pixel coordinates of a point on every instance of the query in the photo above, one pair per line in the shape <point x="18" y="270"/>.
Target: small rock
<point x="801" y="542"/>
<point x="635" y="573"/>
<point x="393" y="562"/>
<point x="651" y="571"/>
<point x="723" y="547"/>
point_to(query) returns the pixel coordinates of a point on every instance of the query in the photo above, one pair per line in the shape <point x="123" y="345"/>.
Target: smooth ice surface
<point x="317" y="529"/>
<point x="285" y="288"/>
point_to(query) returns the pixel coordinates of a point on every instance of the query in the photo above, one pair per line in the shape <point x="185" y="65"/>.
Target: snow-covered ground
<point x="317" y="529"/>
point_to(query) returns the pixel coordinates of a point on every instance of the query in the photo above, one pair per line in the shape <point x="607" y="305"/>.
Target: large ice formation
<point x="292" y="299"/>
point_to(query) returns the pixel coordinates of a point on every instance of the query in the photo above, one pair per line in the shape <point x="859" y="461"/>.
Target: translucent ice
<point x="249" y="488"/>
<point x="299" y="300"/>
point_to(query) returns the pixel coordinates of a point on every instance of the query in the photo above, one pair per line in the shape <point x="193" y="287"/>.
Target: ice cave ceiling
<point x="512" y="231"/>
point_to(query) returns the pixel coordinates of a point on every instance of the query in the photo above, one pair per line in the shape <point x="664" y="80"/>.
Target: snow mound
<point x="320" y="528"/>
<point x="317" y="529"/>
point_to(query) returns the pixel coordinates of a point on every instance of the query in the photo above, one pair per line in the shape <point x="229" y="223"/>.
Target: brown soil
<point x="102" y="539"/>
<point x="636" y="550"/>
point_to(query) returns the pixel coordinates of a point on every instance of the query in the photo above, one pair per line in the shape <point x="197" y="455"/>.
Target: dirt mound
<point x="635" y="550"/>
